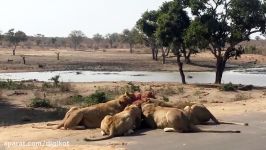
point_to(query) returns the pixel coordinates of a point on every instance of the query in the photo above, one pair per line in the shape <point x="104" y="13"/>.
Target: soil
<point x="111" y="60"/>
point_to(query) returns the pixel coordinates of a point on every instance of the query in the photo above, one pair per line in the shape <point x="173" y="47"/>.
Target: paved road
<point x="252" y="137"/>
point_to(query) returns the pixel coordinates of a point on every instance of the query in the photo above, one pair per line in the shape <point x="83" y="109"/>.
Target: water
<point x="254" y="76"/>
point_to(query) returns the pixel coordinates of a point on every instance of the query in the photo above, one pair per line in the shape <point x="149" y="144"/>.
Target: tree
<point x="97" y="38"/>
<point x="76" y="38"/>
<point x="147" y="24"/>
<point x="53" y="41"/>
<point x="111" y="38"/>
<point x="39" y="38"/>
<point x="172" y="23"/>
<point x="225" y="28"/>
<point x="15" y="38"/>
<point x="131" y="37"/>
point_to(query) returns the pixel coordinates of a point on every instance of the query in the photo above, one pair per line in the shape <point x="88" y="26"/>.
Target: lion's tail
<point x="99" y="139"/>
<point x="233" y="123"/>
<point x="196" y="129"/>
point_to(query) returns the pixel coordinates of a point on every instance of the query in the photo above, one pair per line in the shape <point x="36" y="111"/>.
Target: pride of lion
<point x="131" y="111"/>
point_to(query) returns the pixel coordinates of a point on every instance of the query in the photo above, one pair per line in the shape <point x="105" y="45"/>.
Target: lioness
<point x="91" y="117"/>
<point x="171" y="119"/>
<point x="120" y="124"/>
<point x="199" y="114"/>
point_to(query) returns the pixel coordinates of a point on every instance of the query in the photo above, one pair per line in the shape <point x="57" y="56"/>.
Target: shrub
<point x="55" y="79"/>
<point x="11" y="85"/>
<point x="133" y="87"/>
<point x="95" y="98"/>
<point x="39" y="102"/>
<point x="47" y="85"/>
<point x="228" y="87"/>
<point x="166" y="99"/>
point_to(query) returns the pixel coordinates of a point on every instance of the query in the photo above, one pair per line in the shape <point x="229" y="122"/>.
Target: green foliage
<point x="11" y="85"/>
<point x="228" y="87"/>
<point x="95" y="98"/>
<point x="39" y="102"/>
<point x="166" y="99"/>
<point x="133" y="87"/>
<point x="15" y="37"/>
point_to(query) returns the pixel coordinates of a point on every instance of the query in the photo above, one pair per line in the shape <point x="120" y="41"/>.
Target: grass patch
<point x="12" y="85"/>
<point x="95" y="98"/>
<point x="113" y="92"/>
<point x="166" y="99"/>
<point x="228" y="87"/>
<point x="241" y="97"/>
<point x="40" y="103"/>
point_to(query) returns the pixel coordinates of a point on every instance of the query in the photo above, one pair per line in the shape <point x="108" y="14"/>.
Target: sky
<point x="60" y="17"/>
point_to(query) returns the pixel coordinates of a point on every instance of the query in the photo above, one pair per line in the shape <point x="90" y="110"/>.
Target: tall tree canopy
<point x="172" y="23"/>
<point x="147" y="24"/>
<point x="76" y="37"/>
<point x="15" y="38"/>
<point x="220" y="25"/>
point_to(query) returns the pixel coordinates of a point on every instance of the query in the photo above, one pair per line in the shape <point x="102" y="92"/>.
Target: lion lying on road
<point x="91" y="117"/>
<point x="120" y="124"/>
<point x="199" y="114"/>
<point x="171" y="119"/>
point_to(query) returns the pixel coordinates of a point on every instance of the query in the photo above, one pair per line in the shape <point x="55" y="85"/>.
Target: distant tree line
<point x="76" y="40"/>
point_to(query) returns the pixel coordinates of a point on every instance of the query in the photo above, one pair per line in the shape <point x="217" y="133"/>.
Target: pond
<point x="255" y="76"/>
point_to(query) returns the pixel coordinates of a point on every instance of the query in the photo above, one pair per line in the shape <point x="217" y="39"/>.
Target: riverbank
<point x="111" y="60"/>
<point x="17" y="119"/>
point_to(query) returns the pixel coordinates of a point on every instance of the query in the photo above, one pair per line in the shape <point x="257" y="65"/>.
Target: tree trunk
<point x="14" y="50"/>
<point x="180" y="67"/>
<point x="163" y="54"/>
<point x="220" y="66"/>
<point x="167" y="51"/>
<point x="187" y="57"/>
<point x="156" y="54"/>
<point x="131" y="48"/>
<point x="153" y="53"/>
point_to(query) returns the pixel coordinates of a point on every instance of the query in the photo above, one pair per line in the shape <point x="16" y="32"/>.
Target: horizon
<point x="58" y="20"/>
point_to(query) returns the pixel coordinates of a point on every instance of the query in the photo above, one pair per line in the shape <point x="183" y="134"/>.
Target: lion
<point x="199" y="114"/>
<point x="171" y="119"/>
<point x="91" y="117"/>
<point x="123" y="123"/>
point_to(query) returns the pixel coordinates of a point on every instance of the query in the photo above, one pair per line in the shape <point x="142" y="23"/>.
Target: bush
<point x="47" y="85"/>
<point x="95" y="98"/>
<point x="133" y="87"/>
<point x="39" y="102"/>
<point x="228" y="87"/>
<point x="11" y="85"/>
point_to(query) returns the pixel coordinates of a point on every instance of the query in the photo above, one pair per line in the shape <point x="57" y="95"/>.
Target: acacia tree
<point x="39" y="38"/>
<point x="15" y="38"/>
<point x="97" y="38"/>
<point x="226" y="23"/>
<point x="172" y="22"/>
<point x="112" y="38"/>
<point x="147" y="24"/>
<point x="131" y="37"/>
<point x="76" y="38"/>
